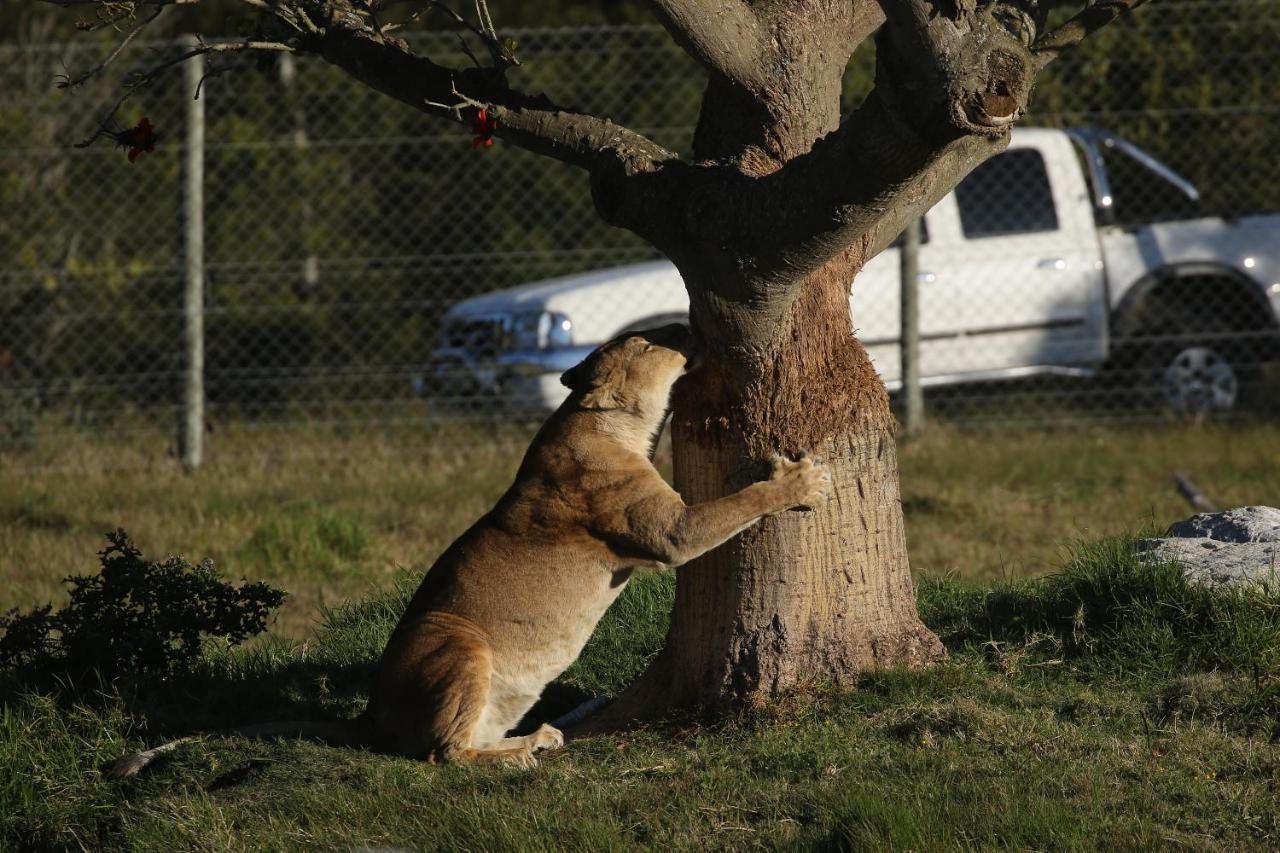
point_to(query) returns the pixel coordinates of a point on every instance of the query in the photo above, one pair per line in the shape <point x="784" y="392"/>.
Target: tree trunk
<point x="779" y="207"/>
<point x="805" y="596"/>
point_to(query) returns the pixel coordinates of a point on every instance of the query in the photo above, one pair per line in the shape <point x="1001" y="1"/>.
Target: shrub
<point x="135" y="617"/>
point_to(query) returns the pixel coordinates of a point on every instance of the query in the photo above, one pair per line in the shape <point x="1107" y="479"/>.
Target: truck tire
<point x="1198" y="379"/>
<point x="1194" y="366"/>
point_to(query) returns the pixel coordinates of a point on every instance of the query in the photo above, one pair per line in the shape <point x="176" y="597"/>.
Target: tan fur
<point x="511" y="603"/>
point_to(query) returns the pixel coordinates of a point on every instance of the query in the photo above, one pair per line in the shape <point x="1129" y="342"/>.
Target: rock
<point x="1236" y="546"/>
<point x="1205" y="560"/>
<point x="1243" y="524"/>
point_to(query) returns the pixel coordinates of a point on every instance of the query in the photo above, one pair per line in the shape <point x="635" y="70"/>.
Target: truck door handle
<point x="1051" y="264"/>
<point x="926" y="277"/>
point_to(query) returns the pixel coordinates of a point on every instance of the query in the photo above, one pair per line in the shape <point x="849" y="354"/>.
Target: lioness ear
<point x="598" y="391"/>
<point x="574" y="376"/>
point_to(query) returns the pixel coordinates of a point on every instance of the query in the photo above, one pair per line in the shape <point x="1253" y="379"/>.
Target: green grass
<point x="328" y="514"/>
<point x="1107" y="706"/>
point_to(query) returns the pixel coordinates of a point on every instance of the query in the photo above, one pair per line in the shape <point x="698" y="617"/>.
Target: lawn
<point x="1107" y="706"/>
<point x="1103" y="704"/>
<point x="330" y="515"/>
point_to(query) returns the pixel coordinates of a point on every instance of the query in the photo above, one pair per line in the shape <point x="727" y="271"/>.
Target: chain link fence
<point x="356" y="252"/>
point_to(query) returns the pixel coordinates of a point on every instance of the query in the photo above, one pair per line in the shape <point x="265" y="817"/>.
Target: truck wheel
<point x="1199" y="380"/>
<point x="1193" y="342"/>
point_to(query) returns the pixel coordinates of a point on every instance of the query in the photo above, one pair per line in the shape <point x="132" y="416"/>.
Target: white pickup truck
<point x="1070" y="253"/>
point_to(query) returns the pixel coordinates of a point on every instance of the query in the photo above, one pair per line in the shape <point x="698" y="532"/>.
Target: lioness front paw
<point x="807" y="482"/>
<point x="548" y="737"/>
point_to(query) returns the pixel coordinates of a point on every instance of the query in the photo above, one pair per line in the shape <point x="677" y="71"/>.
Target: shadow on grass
<point x="329" y="676"/>
<point x="1106" y="610"/>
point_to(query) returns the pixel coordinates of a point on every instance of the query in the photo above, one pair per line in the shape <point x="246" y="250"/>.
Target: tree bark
<point x="802" y="597"/>
<point x="805" y="596"/>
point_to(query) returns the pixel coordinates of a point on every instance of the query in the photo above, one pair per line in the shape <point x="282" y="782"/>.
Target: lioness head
<point x="633" y="372"/>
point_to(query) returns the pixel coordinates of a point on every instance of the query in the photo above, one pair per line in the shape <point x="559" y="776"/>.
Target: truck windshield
<point x="1139" y="194"/>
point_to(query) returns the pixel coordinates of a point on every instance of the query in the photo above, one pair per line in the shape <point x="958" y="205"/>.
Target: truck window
<point x="1008" y="194"/>
<point x="1142" y="196"/>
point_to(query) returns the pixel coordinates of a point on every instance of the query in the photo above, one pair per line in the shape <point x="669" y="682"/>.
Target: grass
<point x="1088" y="702"/>
<point x="328" y="514"/>
<point x="1109" y="705"/>
<point x="324" y="514"/>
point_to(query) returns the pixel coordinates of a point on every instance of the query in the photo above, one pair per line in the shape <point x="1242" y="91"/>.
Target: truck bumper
<point x="517" y="382"/>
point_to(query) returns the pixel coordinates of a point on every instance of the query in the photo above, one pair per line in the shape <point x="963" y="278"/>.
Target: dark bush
<point x="135" y="618"/>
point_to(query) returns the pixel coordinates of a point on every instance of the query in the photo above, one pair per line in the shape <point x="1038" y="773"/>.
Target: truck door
<point x="1026" y="264"/>
<point x="875" y="304"/>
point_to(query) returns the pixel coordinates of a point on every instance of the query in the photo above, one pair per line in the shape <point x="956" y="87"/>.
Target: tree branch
<point x="857" y="187"/>
<point x="968" y="72"/>
<point x="532" y="122"/>
<point x="71" y="82"/>
<point x="499" y="50"/>
<point x="340" y="32"/>
<point x="130" y="5"/>
<point x="951" y="80"/>
<point x="723" y="35"/>
<point x="1087" y="21"/>
<point x="139" y="79"/>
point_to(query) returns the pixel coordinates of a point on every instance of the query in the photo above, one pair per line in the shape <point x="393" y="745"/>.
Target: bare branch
<point x="112" y="12"/>
<point x="139" y="79"/>
<point x="118" y="8"/>
<point x="725" y="36"/>
<point x="130" y="4"/>
<point x="1087" y="21"/>
<point x="533" y="122"/>
<point x="499" y="49"/>
<point x="486" y="20"/>
<point x="341" y="33"/>
<point x="71" y="82"/>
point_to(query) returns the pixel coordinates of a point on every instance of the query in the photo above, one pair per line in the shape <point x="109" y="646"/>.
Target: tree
<point x="780" y="205"/>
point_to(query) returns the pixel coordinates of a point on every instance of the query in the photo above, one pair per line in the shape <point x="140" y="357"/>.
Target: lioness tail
<point x="339" y="734"/>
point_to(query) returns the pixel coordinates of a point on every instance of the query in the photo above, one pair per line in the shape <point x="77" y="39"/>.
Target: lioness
<point x="512" y="602"/>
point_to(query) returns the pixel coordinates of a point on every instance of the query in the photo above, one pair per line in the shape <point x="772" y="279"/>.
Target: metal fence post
<point x="297" y="114"/>
<point x="191" y="427"/>
<point x="909" y="337"/>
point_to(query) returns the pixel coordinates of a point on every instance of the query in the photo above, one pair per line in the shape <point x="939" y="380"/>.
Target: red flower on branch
<point x="483" y="127"/>
<point x="139" y="139"/>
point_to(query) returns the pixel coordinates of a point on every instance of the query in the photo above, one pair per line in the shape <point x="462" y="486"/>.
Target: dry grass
<point x="324" y="515"/>
<point x="1004" y="503"/>
<point x="328" y="513"/>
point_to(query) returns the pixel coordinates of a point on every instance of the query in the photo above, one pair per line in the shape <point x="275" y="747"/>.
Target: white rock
<point x="1243" y="524"/>
<point x="1205" y="560"/>
<point x="1235" y="546"/>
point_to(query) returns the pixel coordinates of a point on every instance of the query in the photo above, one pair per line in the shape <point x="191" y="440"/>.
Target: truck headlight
<point x="559" y="331"/>
<point x="540" y="330"/>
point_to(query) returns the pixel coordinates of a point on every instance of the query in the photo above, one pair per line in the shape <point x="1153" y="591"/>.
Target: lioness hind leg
<point x="520" y="756"/>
